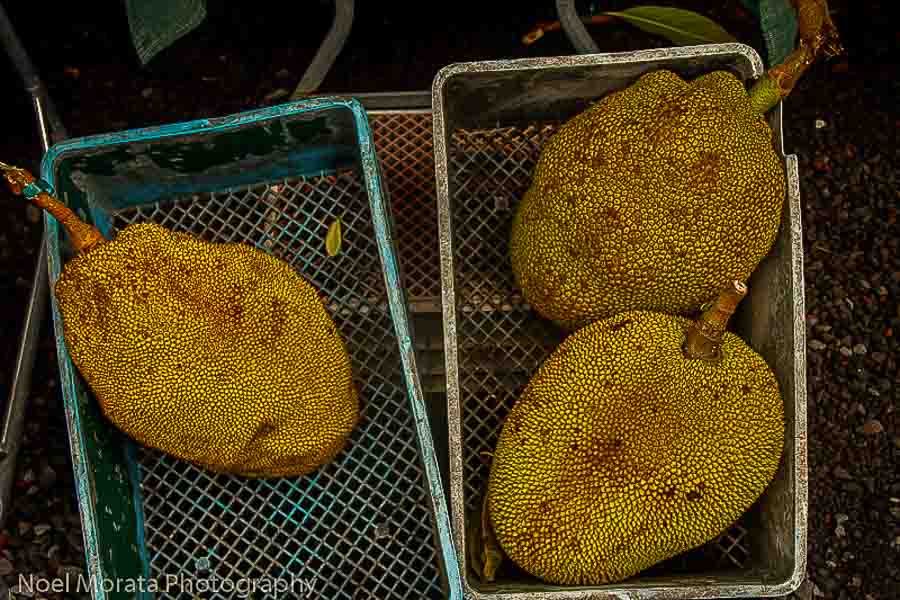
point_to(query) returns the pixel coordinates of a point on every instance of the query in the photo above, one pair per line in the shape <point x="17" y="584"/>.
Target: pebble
<point x="840" y="531"/>
<point x="53" y="552"/>
<point x="42" y="529"/>
<point x="859" y="349"/>
<point x="816" y="345"/>
<point x="146" y="93"/>
<point x="33" y="213"/>
<point x="48" y="477"/>
<point x="276" y="95"/>
<point x="22" y="591"/>
<point x="6" y="567"/>
<point x="847" y="352"/>
<point x="842" y="473"/>
<point x="872" y="427"/>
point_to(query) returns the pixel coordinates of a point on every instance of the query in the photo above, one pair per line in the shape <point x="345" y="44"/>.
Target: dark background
<point x="244" y="51"/>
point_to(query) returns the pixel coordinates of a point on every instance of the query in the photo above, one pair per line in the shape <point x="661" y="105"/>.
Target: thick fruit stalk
<point x="21" y="182"/>
<point x="704" y="337"/>
<point x="817" y="35"/>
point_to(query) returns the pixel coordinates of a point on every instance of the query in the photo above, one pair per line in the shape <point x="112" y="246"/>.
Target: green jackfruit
<point x="219" y="354"/>
<point x="642" y="436"/>
<point x="652" y="199"/>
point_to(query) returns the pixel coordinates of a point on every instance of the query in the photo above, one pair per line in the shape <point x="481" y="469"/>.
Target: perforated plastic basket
<point x="490" y="122"/>
<point x="372" y="524"/>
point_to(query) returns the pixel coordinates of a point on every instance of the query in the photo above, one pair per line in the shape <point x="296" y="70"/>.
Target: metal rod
<point x="328" y="51"/>
<point x="574" y="28"/>
<point x="49" y="129"/>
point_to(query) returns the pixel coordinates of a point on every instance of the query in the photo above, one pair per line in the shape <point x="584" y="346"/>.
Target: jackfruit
<point x="218" y="354"/>
<point x="649" y="200"/>
<point x="642" y="436"/>
<point x="660" y="193"/>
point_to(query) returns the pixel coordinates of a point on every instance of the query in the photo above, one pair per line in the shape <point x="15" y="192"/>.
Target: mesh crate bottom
<point x="359" y="527"/>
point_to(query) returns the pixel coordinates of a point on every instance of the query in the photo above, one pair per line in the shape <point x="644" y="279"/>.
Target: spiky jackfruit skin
<point x="621" y="452"/>
<point x="218" y="354"/>
<point x="651" y="199"/>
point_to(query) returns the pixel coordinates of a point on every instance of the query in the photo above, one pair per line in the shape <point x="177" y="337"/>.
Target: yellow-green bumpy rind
<point x="219" y="354"/>
<point x="621" y="453"/>
<point x="651" y="199"/>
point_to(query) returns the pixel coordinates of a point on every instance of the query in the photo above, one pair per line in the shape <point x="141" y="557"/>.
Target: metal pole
<point x="574" y="28"/>
<point x="328" y="51"/>
<point x="50" y="130"/>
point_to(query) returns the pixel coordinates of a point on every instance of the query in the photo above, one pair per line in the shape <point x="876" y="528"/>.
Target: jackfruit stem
<point x="82" y="235"/>
<point x="703" y="339"/>
<point x="817" y="35"/>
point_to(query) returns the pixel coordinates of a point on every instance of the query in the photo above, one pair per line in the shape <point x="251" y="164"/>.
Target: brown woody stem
<point x="82" y="235"/>
<point x="704" y="337"/>
<point x="816" y="35"/>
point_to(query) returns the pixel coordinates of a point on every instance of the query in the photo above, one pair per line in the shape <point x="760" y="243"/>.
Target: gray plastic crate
<point x="490" y="121"/>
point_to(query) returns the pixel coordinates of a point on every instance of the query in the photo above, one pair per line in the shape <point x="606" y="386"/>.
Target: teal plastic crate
<point x="373" y="523"/>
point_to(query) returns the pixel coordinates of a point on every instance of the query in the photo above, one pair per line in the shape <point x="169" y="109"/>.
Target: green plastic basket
<point x="372" y="524"/>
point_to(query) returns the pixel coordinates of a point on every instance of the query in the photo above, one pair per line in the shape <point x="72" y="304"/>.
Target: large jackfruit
<point x="219" y="354"/>
<point x="651" y="199"/>
<point x="642" y="436"/>
<point x="660" y="193"/>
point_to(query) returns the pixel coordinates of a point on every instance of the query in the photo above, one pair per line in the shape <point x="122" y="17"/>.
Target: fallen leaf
<point x="334" y="238"/>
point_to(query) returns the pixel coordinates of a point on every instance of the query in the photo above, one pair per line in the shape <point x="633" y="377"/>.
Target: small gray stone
<point x="859" y="349"/>
<point x="847" y="352"/>
<point x="146" y="93"/>
<point x="53" y="552"/>
<point x="22" y="592"/>
<point x="840" y="531"/>
<point x="6" y="567"/>
<point x="47" y="478"/>
<point x="816" y="345"/>
<point x="842" y="473"/>
<point x="42" y="529"/>
<point x="841" y="518"/>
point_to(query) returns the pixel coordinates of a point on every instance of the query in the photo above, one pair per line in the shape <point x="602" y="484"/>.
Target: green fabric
<point x="778" y="22"/>
<point x="156" y="24"/>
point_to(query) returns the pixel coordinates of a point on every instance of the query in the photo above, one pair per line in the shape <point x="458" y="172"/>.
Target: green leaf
<point x="334" y="239"/>
<point x="682" y="27"/>
<point x="778" y="21"/>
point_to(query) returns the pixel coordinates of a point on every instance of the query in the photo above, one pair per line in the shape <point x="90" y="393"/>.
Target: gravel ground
<point x="842" y="122"/>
